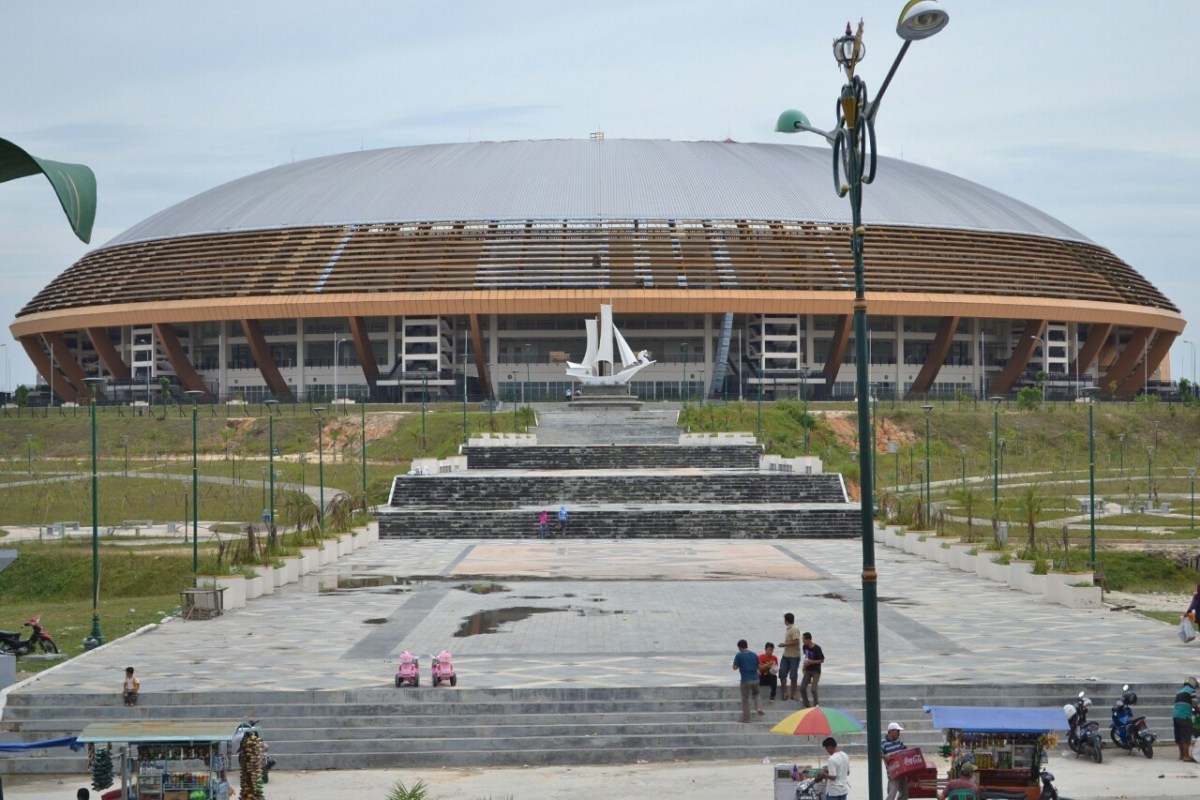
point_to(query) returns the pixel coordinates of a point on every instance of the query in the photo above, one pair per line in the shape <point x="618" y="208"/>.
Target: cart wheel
<point x="454" y="682"/>
<point x="436" y="680"/>
<point x="417" y="681"/>
<point x="399" y="682"/>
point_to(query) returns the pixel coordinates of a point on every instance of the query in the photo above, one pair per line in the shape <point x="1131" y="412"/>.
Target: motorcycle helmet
<point x="1192" y="683"/>
<point x="1129" y="698"/>
<point x="1087" y="703"/>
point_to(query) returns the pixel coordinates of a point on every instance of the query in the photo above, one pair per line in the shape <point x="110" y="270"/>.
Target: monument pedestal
<point x="594" y="397"/>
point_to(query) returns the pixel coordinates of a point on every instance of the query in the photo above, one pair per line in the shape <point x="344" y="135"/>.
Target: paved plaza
<point x="581" y="613"/>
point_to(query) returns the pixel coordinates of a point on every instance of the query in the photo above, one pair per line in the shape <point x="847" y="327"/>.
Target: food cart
<point x="1006" y="745"/>
<point x="162" y="760"/>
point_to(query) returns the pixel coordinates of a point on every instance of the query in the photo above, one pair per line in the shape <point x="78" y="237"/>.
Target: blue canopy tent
<point x="995" y="719"/>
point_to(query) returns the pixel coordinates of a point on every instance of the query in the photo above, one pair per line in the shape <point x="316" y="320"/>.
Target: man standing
<point x="562" y="521"/>
<point x="1181" y="718"/>
<point x="964" y="785"/>
<point x="746" y="664"/>
<point x="897" y="787"/>
<point x="789" y="665"/>
<point x="814" y="657"/>
<point x="836" y="772"/>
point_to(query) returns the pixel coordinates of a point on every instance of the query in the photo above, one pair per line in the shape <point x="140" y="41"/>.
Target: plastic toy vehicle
<point x="409" y="672"/>
<point x="443" y="669"/>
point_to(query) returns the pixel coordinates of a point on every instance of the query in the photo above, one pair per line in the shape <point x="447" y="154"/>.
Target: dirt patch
<point x="845" y="431"/>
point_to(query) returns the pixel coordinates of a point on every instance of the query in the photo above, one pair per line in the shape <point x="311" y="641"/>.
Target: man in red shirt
<point x="964" y="782"/>
<point x="768" y="668"/>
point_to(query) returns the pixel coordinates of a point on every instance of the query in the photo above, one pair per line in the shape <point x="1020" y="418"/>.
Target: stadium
<point x="468" y="270"/>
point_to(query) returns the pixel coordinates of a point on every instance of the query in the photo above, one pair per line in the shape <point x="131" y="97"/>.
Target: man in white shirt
<point x="836" y="772"/>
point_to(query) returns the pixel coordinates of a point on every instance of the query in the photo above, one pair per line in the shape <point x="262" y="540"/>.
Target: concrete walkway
<point x="629" y="613"/>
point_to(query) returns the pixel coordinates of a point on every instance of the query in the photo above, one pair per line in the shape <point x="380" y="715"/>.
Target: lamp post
<point x="194" y="395"/>
<point x="337" y="348"/>
<point x="317" y="412"/>
<point x="854" y="152"/>
<point x="271" y="457"/>
<point x="1149" y="472"/>
<point x="466" y="436"/>
<point x="894" y="449"/>
<point x="804" y="392"/>
<point x="1092" y="481"/>
<point x="741" y="361"/>
<point x="874" y="433"/>
<point x="95" y="638"/>
<point x="29" y="453"/>
<point x="1192" y="479"/>
<point x="263" y="485"/>
<point x="424" y="387"/>
<point x="1121" y="452"/>
<point x="928" y="409"/>
<point x="528" y="380"/>
<point x="362" y="447"/>
<point x="962" y="449"/>
<point x="996" y="461"/>
<point x="125" y="444"/>
<point x="683" y="381"/>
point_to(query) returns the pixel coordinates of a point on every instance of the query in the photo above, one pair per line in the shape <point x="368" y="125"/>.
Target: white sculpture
<point x="591" y="371"/>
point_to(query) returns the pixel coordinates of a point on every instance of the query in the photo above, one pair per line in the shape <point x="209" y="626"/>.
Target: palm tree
<point x="1029" y="506"/>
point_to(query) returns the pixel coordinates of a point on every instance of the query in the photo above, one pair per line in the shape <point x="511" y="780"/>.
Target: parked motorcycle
<point x="1048" y="790"/>
<point x="1082" y="736"/>
<point x="250" y="728"/>
<point x="1127" y="731"/>
<point x="39" y="638"/>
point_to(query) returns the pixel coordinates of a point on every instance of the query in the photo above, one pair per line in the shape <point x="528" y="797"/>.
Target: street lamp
<point x="1121" y="442"/>
<point x="996" y="401"/>
<point x="683" y="388"/>
<point x="194" y="394"/>
<point x="317" y="412"/>
<point x="928" y="409"/>
<point x="804" y="392"/>
<point x="854" y="153"/>
<point x="1092" y="480"/>
<point x="95" y="639"/>
<point x="337" y="348"/>
<point x="125" y="444"/>
<point x="271" y="404"/>
<point x="528" y="348"/>
<point x="466" y="435"/>
<point x="1149" y="472"/>
<point x="362" y="447"/>
<point x="1192" y="479"/>
<point x="29" y="452"/>
<point x="962" y="449"/>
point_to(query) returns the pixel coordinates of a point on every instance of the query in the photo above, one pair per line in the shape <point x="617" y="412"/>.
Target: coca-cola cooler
<point x="910" y="764"/>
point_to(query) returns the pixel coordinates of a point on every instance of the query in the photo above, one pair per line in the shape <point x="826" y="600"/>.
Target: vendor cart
<point x="161" y="760"/>
<point x="1007" y="746"/>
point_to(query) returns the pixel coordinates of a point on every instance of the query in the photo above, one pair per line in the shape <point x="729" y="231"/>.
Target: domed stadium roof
<point x="588" y="179"/>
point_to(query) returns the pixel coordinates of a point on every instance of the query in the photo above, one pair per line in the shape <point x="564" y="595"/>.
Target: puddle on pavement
<point x="490" y="621"/>
<point x="365" y="581"/>
<point x="481" y="588"/>
<point x="342" y="582"/>
<point x="597" y="612"/>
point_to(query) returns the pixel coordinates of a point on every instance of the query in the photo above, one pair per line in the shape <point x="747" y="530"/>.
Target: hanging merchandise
<point x="102" y="770"/>
<point x="251" y="758"/>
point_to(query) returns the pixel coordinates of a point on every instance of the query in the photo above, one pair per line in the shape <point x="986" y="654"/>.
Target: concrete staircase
<point x="601" y="426"/>
<point x="431" y="728"/>
<point x="625" y="456"/>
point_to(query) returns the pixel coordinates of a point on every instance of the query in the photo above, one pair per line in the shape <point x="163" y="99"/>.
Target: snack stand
<point x="163" y="760"/>
<point x="1006" y="745"/>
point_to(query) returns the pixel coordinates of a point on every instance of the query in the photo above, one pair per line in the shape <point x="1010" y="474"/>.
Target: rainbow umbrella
<point x="818" y="722"/>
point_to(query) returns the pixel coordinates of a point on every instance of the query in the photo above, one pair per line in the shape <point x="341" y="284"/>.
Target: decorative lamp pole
<point x="95" y="638"/>
<point x="194" y="394"/>
<point x="1092" y="480"/>
<point x="125" y="444"/>
<point x="271" y="404"/>
<point x="683" y="389"/>
<point x="996" y="401"/>
<point x="928" y="409"/>
<point x="317" y="412"/>
<point x="853" y="144"/>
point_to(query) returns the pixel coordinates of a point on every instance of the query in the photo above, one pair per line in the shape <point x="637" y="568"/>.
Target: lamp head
<point x="921" y="19"/>
<point x="848" y="50"/>
<point x="792" y="121"/>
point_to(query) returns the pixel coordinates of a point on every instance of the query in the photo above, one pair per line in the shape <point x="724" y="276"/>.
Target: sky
<point x="1073" y="106"/>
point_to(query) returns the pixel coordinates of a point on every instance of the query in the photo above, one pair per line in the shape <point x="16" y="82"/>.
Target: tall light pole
<point x="29" y="452"/>
<point x="854" y="152"/>
<point x="95" y="639"/>
<point x="928" y="409"/>
<point x="1192" y="479"/>
<point x="194" y="394"/>
<point x="962" y="449"/>
<point x="528" y="380"/>
<point x="683" y="381"/>
<point x="804" y="391"/>
<point x="1149" y="472"/>
<point x="362" y="447"/>
<point x="271" y="404"/>
<point x="996" y="401"/>
<point x="1121" y="452"/>
<point x="424" y="388"/>
<point x="466" y="435"/>
<point x="125" y="444"/>
<point x="741" y="361"/>
<point x="1092" y="479"/>
<point x="337" y="349"/>
<point x="317" y="412"/>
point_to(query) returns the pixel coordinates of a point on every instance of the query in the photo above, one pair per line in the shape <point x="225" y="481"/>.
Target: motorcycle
<point x="11" y="641"/>
<point x="1048" y="790"/>
<point x="250" y="728"/>
<point x="1082" y="736"/>
<point x="1127" y="731"/>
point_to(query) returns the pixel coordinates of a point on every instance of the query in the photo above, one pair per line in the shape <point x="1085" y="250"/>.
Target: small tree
<point x="22" y="396"/>
<point x="968" y="500"/>
<point x="1030" y="505"/>
<point x="1029" y="398"/>
<point x="164" y="384"/>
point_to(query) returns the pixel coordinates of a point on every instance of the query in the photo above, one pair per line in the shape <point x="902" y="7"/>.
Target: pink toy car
<point x="409" y="672"/>
<point x="443" y="669"/>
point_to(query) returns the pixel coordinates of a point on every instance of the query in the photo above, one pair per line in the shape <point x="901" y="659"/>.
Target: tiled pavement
<point x="629" y="613"/>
